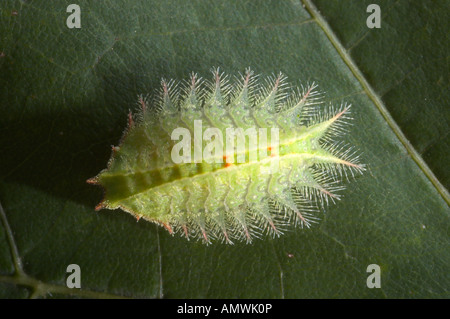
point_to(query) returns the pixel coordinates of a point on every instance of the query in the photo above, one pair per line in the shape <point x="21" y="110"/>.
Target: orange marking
<point x="225" y="160"/>
<point x="270" y="150"/>
<point x="138" y="217"/>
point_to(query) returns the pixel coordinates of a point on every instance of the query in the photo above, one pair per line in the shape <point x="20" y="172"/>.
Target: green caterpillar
<point x="252" y="188"/>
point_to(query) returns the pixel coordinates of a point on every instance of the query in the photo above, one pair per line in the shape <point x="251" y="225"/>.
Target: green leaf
<point x="65" y="94"/>
<point x="406" y="64"/>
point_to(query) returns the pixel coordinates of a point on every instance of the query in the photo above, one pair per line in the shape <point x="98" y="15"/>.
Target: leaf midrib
<point x="346" y="58"/>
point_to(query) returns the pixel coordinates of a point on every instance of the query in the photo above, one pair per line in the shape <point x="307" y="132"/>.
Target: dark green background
<point x="65" y="94"/>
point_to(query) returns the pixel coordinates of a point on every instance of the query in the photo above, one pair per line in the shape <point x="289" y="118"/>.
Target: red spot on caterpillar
<point x="225" y="160"/>
<point x="269" y="149"/>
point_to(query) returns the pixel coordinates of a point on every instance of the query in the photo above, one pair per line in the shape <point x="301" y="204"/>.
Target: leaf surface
<point x="65" y="94"/>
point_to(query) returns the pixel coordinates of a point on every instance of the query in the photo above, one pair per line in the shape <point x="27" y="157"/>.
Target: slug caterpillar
<point x="283" y="163"/>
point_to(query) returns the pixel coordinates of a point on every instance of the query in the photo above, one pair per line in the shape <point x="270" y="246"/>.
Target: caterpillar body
<point x="242" y="193"/>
